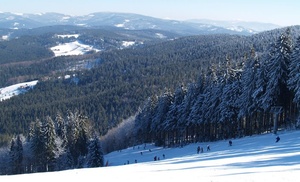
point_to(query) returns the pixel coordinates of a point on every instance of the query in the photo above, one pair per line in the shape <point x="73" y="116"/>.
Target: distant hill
<point x="239" y="26"/>
<point x="123" y="21"/>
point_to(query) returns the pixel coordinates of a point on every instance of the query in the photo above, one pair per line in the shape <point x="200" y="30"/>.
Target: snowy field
<point x="256" y="158"/>
<point x="13" y="90"/>
<point x="72" y="48"/>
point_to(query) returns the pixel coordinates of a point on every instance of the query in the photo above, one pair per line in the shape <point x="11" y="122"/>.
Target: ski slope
<point x="255" y="158"/>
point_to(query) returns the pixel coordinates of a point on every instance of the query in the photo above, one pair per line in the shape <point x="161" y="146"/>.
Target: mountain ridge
<point x="129" y="21"/>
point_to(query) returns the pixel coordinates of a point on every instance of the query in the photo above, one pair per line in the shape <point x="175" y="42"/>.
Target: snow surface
<point x="13" y="90"/>
<point x="256" y="158"/>
<point x="127" y="43"/>
<point x="122" y="25"/>
<point x="72" y="48"/>
<point x="68" y="36"/>
<point x="161" y="36"/>
<point x="5" y="37"/>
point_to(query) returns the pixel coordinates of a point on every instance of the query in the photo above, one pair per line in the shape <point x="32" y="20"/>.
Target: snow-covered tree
<point x="37" y="145"/>
<point x="245" y="101"/>
<point x="43" y="144"/>
<point x="95" y="155"/>
<point x="294" y="76"/>
<point x="50" y="146"/>
<point x="78" y="134"/>
<point x="144" y="119"/>
<point x="161" y="110"/>
<point x="195" y="94"/>
<point x="60" y="126"/>
<point x="16" y="155"/>
<point x="186" y="108"/>
<point x="212" y="95"/>
<point x="171" y="121"/>
<point x="277" y="92"/>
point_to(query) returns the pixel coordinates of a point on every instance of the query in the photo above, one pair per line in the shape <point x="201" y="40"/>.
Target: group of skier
<point x="200" y="149"/>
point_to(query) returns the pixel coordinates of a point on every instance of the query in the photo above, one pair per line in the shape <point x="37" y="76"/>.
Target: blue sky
<point x="281" y="12"/>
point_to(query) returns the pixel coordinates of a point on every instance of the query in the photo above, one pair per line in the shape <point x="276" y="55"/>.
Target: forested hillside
<point x="115" y="89"/>
<point x="27" y="54"/>
<point x="124" y="79"/>
<point x="228" y="101"/>
<point x="189" y="89"/>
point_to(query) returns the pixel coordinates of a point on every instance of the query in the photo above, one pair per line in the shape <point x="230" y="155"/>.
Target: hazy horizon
<point x="279" y="12"/>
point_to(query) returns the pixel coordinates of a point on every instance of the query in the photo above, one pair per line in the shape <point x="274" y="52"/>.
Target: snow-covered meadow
<point x="255" y="158"/>
<point x="72" y="48"/>
<point x="13" y="90"/>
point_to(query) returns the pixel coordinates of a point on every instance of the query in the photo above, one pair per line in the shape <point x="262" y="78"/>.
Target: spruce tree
<point x="37" y="146"/>
<point x="277" y="92"/>
<point x="294" y="76"/>
<point x="95" y="155"/>
<point x="16" y="155"/>
<point x="50" y="145"/>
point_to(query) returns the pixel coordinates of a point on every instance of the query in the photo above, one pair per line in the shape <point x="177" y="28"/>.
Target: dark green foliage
<point x="46" y="150"/>
<point x="26" y="48"/>
<point x="119" y="85"/>
<point x="16" y="155"/>
<point x="43" y="144"/>
<point x="95" y="154"/>
<point x="234" y="101"/>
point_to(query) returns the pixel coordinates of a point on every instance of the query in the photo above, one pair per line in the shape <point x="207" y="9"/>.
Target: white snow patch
<point x="161" y="36"/>
<point x="66" y="17"/>
<point x="5" y="37"/>
<point x="72" y="48"/>
<point x="68" y="36"/>
<point x="128" y="43"/>
<point x="120" y="25"/>
<point x="81" y="24"/>
<point x="13" y="90"/>
<point x="67" y="76"/>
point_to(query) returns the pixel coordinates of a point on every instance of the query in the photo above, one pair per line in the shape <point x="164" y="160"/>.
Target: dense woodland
<point x="65" y="142"/>
<point x="229" y="101"/>
<point x="198" y="88"/>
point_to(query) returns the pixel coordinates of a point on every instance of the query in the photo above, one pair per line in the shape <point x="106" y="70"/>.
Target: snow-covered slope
<point x="14" y="90"/>
<point x="72" y="48"/>
<point x="256" y="158"/>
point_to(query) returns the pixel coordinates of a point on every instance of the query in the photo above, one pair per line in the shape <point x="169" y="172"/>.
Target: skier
<point x="277" y="139"/>
<point x="230" y="143"/>
<point x="208" y="148"/>
<point x="198" y="149"/>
